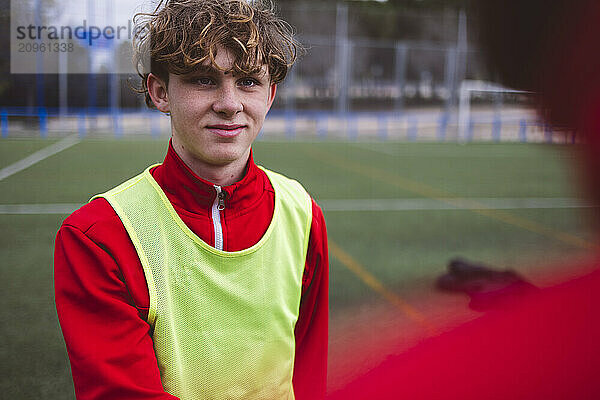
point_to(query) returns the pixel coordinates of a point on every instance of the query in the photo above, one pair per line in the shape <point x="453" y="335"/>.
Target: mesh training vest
<point x="223" y="322"/>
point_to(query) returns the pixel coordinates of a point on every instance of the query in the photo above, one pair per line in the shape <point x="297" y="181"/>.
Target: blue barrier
<point x="548" y="133"/>
<point x="470" y="131"/>
<point x="86" y="119"/>
<point x="413" y="129"/>
<point x="155" y="124"/>
<point x="43" y="117"/>
<point x="290" y="125"/>
<point x="352" y="127"/>
<point x="116" y="121"/>
<point x="4" y="123"/>
<point x="322" y="126"/>
<point x="442" y="127"/>
<point x="496" y="128"/>
<point x="382" y="131"/>
<point x="523" y="130"/>
<point x="81" y="125"/>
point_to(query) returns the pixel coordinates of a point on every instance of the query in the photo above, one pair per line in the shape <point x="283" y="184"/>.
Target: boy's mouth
<point x="227" y="130"/>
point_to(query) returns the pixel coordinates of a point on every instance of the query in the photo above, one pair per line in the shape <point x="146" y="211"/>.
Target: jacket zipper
<point x="217" y="207"/>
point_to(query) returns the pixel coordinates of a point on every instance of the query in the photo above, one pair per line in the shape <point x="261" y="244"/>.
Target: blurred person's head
<point x="552" y="48"/>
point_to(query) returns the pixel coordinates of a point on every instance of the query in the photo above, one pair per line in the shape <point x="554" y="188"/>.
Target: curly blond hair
<point x="181" y="35"/>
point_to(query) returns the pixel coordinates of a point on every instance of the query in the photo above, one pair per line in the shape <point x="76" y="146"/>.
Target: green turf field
<point x="402" y="248"/>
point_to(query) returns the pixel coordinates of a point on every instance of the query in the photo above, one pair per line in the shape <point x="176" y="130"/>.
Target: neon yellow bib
<point x="223" y="322"/>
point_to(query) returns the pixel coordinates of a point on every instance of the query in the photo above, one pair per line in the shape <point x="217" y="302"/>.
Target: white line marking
<point x="444" y="153"/>
<point x="32" y="209"/>
<point x="38" y="156"/>
<point x="357" y="205"/>
<point x="422" y="204"/>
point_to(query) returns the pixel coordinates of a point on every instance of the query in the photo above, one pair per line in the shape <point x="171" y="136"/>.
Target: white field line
<point x="32" y="209"/>
<point x="38" y="156"/>
<point x="358" y="205"/>
<point x="437" y="153"/>
<point x="423" y="204"/>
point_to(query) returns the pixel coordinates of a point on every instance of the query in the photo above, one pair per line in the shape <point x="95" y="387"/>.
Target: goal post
<point x="468" y="89"/>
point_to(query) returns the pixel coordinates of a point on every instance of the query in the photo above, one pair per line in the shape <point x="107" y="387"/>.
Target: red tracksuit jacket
<point x="102" y="297"/>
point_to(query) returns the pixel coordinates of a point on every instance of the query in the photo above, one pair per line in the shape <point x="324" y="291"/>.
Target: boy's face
<point x="215" y="115"/>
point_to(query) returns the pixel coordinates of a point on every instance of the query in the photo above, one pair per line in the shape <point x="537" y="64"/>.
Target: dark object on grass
<point x="488" y="288"/>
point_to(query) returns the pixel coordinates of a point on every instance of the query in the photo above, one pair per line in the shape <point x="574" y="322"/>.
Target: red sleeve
<point x="108" y="342"/>
<point x="541" y="347"/>
<point x="310" y="368"/>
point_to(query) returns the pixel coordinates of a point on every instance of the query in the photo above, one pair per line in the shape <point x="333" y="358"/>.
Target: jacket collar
<point x="190" y="192"/>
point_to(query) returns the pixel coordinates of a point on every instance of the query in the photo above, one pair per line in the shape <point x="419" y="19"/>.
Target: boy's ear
<point x="157" y="89"/>
<point x="272" y="92"/>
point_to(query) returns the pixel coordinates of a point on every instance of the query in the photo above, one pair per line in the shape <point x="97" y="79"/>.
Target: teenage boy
<point x="205" y="277"/>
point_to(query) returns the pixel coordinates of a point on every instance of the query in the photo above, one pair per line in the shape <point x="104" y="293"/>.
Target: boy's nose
<point x="227" y="101"/>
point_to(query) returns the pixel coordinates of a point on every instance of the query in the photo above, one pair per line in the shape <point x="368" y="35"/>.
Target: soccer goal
<point x="488" y="111"/>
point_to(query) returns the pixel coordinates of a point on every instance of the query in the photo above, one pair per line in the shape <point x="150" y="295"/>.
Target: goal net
<point x="487" y="111"/>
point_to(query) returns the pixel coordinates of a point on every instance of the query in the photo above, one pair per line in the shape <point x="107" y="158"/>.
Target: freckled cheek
<point x="187" y="120"/>
<point x="192" y="111"/>
<point x="257" y="108"/>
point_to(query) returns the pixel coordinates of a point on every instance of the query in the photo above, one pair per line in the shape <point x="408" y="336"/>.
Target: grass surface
<point x="404" y="250"/>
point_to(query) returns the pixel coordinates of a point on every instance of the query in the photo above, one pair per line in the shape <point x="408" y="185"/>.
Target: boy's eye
<point x="248" y="82"/>
<point x="204" y="81"/>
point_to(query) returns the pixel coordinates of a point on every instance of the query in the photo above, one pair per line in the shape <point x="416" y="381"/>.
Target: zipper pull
<point x="221" y="196"/>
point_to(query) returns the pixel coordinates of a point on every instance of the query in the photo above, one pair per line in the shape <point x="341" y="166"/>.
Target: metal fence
<point x="353" y="82"/>
<point x="484" y="124"/>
